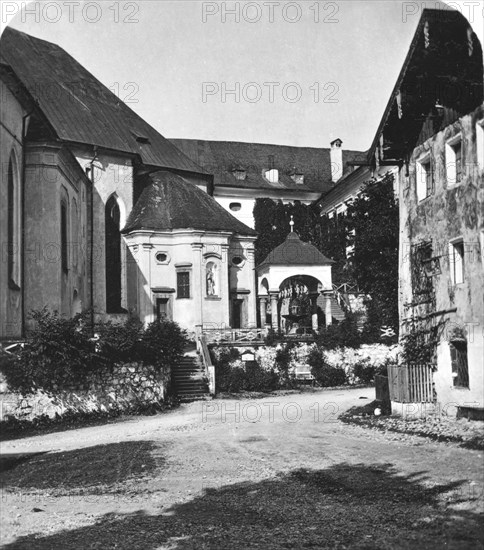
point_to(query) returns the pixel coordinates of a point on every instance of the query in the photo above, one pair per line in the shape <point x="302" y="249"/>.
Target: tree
<point x="373" y="224"/>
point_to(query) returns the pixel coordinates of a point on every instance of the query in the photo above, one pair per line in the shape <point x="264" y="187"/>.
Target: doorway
<point x="162" y="309"/>
<point x="237" y="313"/>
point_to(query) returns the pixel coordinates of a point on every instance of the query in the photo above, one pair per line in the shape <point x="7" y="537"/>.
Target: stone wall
<point x="124" y="388"/>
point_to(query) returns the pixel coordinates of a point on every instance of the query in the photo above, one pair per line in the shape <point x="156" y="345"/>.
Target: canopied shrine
<point x="295" y="287"/>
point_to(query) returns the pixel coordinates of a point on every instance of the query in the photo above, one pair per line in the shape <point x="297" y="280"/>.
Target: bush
<point x="162" y="344"/>
<point x="258" y="379"/>
<point x="343" y="334"/>
<point x="61" y="353"/>
<point x="120" y="343"/>
<point x="325" y="374"/>
<point x="364" y="371"/>
<point x="59" y="350"/>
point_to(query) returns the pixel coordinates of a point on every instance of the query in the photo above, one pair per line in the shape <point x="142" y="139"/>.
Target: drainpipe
<point x="22" y="223"/>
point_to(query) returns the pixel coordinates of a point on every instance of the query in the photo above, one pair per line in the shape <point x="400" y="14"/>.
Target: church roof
<point x="221" y="158"/>
<point x="293" y="251"/>
<point x="170" y="202"/>
<point x="81" y="109"/>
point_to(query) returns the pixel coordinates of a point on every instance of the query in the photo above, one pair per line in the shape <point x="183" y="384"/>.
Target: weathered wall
<point x="53" y="175"/>
<point x="124" y="389"/>
<point x="11" y="113"/>
<point x="113" y="175"/>
<point x="452" y="211"/>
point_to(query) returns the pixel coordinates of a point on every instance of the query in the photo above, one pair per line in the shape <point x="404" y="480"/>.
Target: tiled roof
<point x="293" y="251"/>
<point x="170" y="202"/>
<point x="80" y="108"/>
<point x="222" y="157"/>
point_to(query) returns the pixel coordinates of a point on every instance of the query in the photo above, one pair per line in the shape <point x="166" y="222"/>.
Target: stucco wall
<point x="450" y="212"/>
<point x="11" y="114"/>
<point x="190" y="251"/>
<point x="52" y="175"/>
<point x="113" y="175"/>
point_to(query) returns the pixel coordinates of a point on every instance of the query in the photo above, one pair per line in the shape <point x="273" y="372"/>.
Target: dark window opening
<point x="237" y="260"/>
<point x="113" y="257"/>
<point x="161" y="257"/>
<point x="235" y="206"/>
<point x="183" y="284"/>
<point x="458" y="161"/>
<point x="460" y="366"/>
<point x="64" y="256"/>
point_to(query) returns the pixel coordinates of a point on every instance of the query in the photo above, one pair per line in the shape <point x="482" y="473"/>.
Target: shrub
<point x="338" y="335"/>
<point x="162" y="344"/>
<point x="325" y="374"/>
<point x="222" y="358"/>
<point x="59" y="350"/>
<point x="120" y="343"/>
<point x="61" y="353"/>
<point x="364" y="371"/>
<point x="258" y="379"/>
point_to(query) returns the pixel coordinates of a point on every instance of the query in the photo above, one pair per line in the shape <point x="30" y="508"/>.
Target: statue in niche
<point x="211" y="290"/>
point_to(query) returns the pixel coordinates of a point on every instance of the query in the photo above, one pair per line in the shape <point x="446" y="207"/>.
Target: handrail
<point x="204" y="352"/>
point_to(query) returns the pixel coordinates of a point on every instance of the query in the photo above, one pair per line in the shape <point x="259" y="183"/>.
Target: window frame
<point x="14" y="224"/>
<point x="451" y="171"/>
<point x="457" y="275"/>
<point x="180" y="285"/>
<point x="64" y="236"/>
<point x="425" y="177"/>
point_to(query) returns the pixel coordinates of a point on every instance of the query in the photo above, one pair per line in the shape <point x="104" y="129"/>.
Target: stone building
<point x="432" y="129"/>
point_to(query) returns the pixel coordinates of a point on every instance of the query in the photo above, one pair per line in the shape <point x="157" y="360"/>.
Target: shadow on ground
<point x="343" y="506"/>
<point x="92" y="470"/>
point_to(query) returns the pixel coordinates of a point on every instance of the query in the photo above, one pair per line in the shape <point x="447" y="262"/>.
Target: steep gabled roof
<point x="82" y="110"/>
<point x="170" y="202"/>
<point x="293" y="251"/>
<point x="222" y="157"/>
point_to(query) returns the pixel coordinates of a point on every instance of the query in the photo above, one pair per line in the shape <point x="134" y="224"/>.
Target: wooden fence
<point x="412" y="383"/>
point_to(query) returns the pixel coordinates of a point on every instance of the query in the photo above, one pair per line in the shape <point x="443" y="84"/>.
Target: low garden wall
<point x="124" y="388"/>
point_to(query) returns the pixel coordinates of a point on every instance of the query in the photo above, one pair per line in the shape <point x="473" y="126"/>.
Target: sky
<point x="293" y="73"/>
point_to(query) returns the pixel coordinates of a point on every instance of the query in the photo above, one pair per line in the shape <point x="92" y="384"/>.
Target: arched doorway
<point x="298" y="309"/>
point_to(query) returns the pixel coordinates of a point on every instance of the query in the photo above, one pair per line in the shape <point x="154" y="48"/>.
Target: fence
<point x="412" y="383"/>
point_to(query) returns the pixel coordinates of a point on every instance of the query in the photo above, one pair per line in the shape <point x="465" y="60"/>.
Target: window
<point x="298" y="178"/>
<point x="453" y="160"/>
<point x="63" y="231"/>
<point x="76" y="240"/>
<point x="162" y="258"/>
<point x="240" y="175"/>
<point x="237" y="261"/>
<point x="235" y="206"/>
<point x="183" y="284"/>
<point x="425" y="178"/>
<point x="460" y="366"/>
<point x="480" y="144"/>
<point x="456" y="262"/>
<point x="113" y="256"/>
<point x="272" y="175"/>
<point x="13" y="224"/>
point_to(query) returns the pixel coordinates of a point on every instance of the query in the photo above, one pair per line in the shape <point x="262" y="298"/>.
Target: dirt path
<point x="269" y="473"/>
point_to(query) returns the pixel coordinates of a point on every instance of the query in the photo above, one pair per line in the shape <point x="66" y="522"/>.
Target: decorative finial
<point x="291" y="223"/>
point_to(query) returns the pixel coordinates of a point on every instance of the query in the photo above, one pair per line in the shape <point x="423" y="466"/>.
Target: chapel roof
<point x="79" y="108"/>
<point x="293" y="251"/>
<point x="169" y="202"/>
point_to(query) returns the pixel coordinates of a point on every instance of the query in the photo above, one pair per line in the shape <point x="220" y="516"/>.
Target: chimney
<point x="336" y="154"/>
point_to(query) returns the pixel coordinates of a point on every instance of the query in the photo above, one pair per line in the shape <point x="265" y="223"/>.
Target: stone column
<point x="263" y="310"/>
<point x="328" y="310"/>
<point x="274" y="319"/>
<point x="314" y="311"/>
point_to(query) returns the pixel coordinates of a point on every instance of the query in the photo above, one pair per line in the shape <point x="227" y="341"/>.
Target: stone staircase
<point x="189" y="379"/>
<point x="336" y="311"/>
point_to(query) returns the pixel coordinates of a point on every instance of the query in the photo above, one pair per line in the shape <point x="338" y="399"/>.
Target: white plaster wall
<point x="245" y="214"/>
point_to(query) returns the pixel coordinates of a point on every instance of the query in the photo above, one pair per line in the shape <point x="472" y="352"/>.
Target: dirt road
<point x="277" y="472"/>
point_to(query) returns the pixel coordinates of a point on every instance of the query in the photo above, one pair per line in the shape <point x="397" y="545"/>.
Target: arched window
<point x="113" y="256"/>
<point x="64" y="237"/>
<point x="14" y="224"/>
<point x="75" y="237"/>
